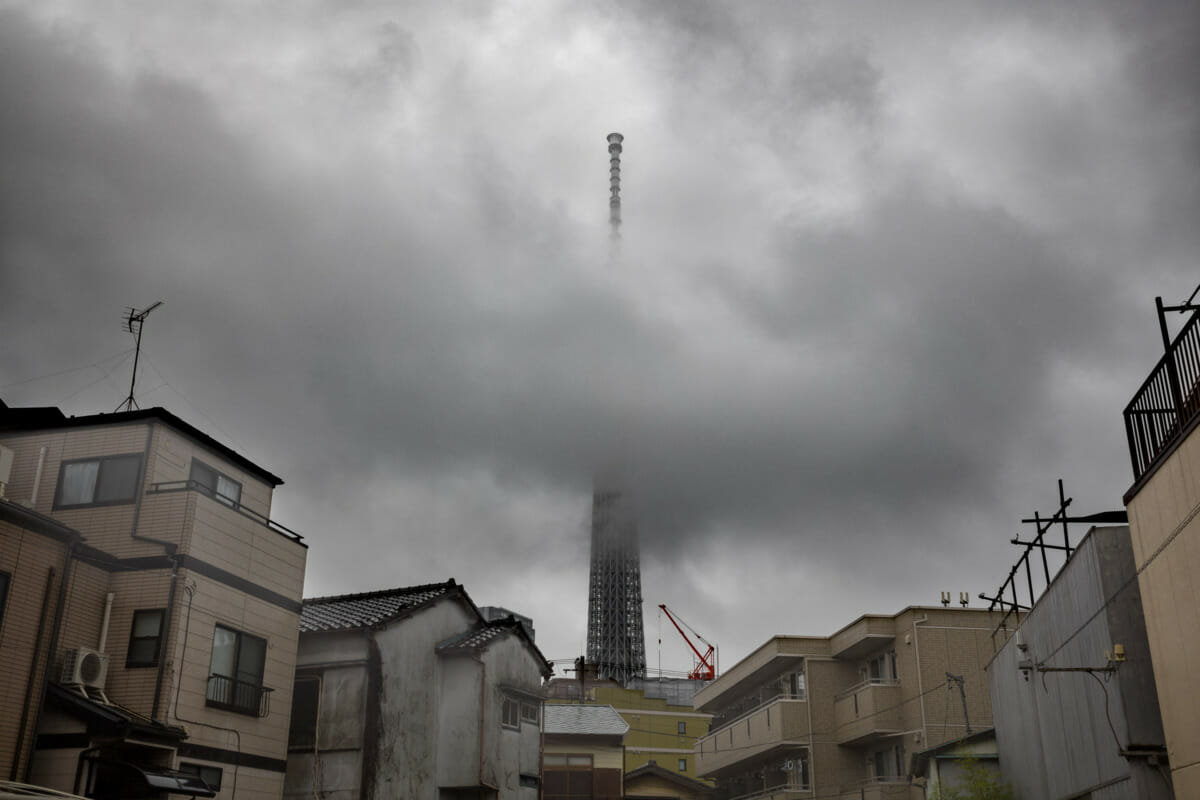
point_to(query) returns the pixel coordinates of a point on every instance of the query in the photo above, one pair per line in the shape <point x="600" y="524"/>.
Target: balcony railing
<point x="196" y="486"/>
<point x="868" y="711"/>
<point x="719" y="724"/>
<point x="1167" y="401"/>
<point x="242" y="697"/>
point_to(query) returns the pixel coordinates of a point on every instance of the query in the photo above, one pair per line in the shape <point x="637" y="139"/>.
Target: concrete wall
<point x="1163" y="516"/>
<point x="1052" y="730"/>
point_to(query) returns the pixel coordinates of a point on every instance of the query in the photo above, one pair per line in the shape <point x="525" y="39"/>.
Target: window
<point x="5" y="580"/>
<point x="98" y="481"/>
<point x="510" y="713"/>
<point x="529" y="713"/>
<point x="236" y="672"/>
<point x="796" y="686"/>
<point x="683" y="765"/>
<point x="305" y="696"/>
<point x="210" y="775"/>
<point x="882" y="667"/>
<point x="681" y="727"/>
<point x="223" y="488"/>
<point x="145" y="638"/>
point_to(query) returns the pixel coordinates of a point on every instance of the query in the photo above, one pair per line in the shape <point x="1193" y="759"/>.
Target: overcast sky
<point x="883" y="277"/>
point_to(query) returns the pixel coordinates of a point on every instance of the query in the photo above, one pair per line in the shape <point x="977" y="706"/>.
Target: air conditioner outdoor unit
<point x="85" y="667"/>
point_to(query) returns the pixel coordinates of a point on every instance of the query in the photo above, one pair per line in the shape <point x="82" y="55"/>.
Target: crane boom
<point x="706" y="669"/>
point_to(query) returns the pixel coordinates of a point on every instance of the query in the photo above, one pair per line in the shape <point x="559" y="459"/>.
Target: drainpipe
<point x="108" y="601"/>
<point x="37" y="478"/>
<point x="920" y="690"/>
<point x="37" y="644"/>
<point x="64" y="582"/>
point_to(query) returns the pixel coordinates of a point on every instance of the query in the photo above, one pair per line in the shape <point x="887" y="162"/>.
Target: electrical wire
<point x="65" y="371"/>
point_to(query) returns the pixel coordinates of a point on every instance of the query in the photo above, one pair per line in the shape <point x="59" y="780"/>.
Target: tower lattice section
<point x="616" y="642"/>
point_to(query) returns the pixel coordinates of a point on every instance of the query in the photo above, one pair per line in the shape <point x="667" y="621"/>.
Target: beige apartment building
<point x="841" y="716"/>
<point x="1163" y="505"/>
<point x="149" y="609"/>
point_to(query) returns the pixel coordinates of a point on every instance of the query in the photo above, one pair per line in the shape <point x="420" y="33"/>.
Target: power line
<point x="66" y="371"/>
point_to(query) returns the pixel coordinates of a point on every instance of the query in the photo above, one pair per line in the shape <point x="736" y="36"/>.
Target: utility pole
<point x="963" y="694"/>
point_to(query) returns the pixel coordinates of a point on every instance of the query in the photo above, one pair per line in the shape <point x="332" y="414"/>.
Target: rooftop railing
<point x="1169" y="398"/>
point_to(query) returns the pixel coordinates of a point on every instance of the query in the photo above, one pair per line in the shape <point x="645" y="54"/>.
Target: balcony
<point x="779" y="723"/>
<point x="167" y="487"/>
<point x="868" y="711"/>
<point x="241" y="697"/>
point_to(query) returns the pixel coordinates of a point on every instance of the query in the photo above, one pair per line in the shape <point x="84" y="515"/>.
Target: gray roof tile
<point x="352" y="611"/>
<point x="578" y="720"/>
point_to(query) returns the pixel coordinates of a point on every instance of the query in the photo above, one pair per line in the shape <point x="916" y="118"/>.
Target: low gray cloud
<point x="870" y="300"/>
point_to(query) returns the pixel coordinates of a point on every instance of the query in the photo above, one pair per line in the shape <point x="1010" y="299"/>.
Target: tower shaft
<point x="616" y="642"/>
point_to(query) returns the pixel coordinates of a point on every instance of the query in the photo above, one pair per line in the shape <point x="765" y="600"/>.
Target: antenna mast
<point x="135" y="318"/>
<point x="614" y="188"/>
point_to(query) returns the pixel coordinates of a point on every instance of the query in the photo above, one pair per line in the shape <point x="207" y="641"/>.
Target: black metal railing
<point x="195" y="486"/>
<point x="243" y="697"/>
<point x="1169" y="398"/>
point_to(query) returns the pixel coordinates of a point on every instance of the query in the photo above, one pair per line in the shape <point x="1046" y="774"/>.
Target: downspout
<point x="812" y="751"/>
<point x="37" y="478"/>
<point x="920" y="689"/>
<point x="55" y="630"/>
<point x="37" y="646"/>
<point x="171" y="550"/>
<point x="371" y="734"/>
<point x="482" y="720"/>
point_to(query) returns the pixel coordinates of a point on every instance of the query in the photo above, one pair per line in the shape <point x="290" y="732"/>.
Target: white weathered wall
<point x="406" y="763"/>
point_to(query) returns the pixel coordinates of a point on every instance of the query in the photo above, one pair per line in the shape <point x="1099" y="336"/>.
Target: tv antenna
<point x="134" y="323"/>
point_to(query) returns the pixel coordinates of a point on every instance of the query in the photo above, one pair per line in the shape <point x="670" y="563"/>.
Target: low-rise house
<point x="951" y="766"/>
<point x="149" y="634"/>
<point x="584" y="753"/>
<point x="411" y="693"/>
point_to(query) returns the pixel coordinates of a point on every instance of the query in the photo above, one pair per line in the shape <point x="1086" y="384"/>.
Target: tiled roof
<point x="580" y="720"/>
<point x="479" y="636"/>
<point x="351" y="611"/>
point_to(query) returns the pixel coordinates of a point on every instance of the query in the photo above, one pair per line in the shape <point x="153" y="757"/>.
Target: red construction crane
<point x="706" y="669"/>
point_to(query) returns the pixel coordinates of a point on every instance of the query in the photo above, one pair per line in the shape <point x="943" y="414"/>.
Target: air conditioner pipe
<point x="108" y="601"/>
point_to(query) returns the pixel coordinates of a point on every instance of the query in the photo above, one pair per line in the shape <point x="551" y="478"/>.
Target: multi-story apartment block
<point x="1163" y="506"/>
<point x="150" y="635"/>
<point x="841" y="716"/>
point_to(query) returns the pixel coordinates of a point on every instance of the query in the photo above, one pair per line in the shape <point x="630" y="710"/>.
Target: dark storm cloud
<point x="837" y="325"/>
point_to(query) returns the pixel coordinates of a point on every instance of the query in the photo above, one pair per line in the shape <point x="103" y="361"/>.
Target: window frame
<point x="132" y="663"/>
<point x="683" y="765"/>
<point x="514" y="704"/>
<point x="534" y="718"/>
<point x="5" y="585"/>
<point x="240" y="637"/>
<point x="681" y="727"/>
<point x="217" y="475"/>
<point x="299" y="723"/>
<point x="197" y="770"/>
<point x="100" y="461"/>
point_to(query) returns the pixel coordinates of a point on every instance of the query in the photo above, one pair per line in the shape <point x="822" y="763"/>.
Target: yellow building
<point x="663" y="726"/>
